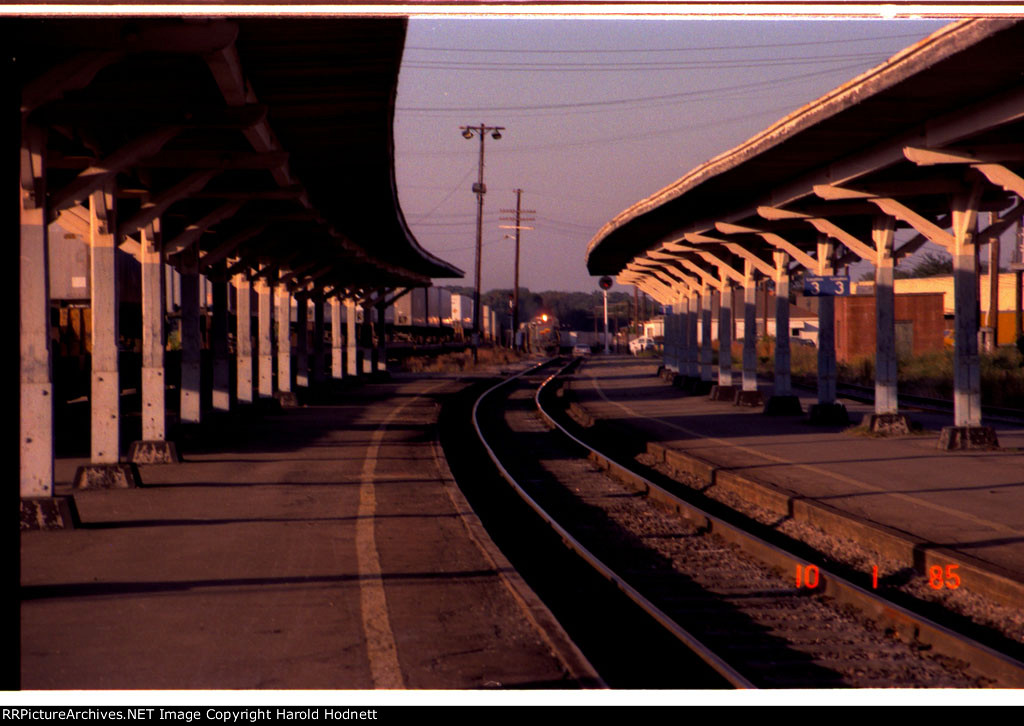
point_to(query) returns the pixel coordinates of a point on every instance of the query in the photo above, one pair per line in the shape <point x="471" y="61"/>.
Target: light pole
<point x="479" y="189"/>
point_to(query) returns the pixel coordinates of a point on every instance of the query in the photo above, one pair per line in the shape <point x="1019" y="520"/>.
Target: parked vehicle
<point x="641" y="344"/>
<point x="581" y="350"/>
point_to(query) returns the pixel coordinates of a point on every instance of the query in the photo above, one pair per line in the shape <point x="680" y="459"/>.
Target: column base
<point x="889" y="424"/>
<point x="748" y="398"/>
<point x="783" y="406"/>
<point x="286" y="399"/>
<point x="829" y="414"/>
<point x="106" y="476"/>
<point x="44" y="513"/>
<point x="959" y="438"/>
<point x="722" y="393"/>
<point x="153" y="452"/>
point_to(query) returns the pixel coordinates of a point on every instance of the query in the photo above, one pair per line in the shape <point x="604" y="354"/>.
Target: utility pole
<point x="518" y="219"/>
<point x="479" y="189"/>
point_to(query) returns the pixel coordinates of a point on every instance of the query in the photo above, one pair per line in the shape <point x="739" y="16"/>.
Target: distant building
<point x="944" y="284"/>
<point x="920" y="325"/>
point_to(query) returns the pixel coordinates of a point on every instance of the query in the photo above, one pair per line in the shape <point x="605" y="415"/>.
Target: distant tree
<point x="932" y="265"/>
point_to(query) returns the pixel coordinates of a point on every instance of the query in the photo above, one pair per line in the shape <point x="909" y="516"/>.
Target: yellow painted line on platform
<point x="380" y="639"/>
<point x="815" y="469"/>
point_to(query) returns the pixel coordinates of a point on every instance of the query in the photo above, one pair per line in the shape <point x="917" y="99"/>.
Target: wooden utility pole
<point x="518" y="220"/>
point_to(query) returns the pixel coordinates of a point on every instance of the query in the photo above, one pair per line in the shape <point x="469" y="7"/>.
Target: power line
<point x="691" y="49"/>
<point x="645" y="66"/>
<point x="448" y="195"/>
<point x="625" y="102"/>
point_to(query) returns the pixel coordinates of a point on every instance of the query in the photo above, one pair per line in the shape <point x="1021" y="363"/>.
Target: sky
<point x="598" y="114"/>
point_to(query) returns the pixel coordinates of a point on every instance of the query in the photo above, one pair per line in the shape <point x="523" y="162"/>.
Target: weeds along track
<point x="696" y="583"/>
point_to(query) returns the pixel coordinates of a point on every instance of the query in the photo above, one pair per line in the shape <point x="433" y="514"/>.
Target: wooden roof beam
<point x="687" y="279"/>
<point x="949" y="129"/>
<point x="220" y="160"/>
<point x="96" y="176"/>
<point x="227" y="247"/>
<point x="292" y="192"/>
<point x="78" y="72"/>
<point x="776" y="240"/>
<point x="80" y="113"/>
<point x="194" y="231"/>
<point x="997" y="154"/>
<point x="153" y="208"/>
<point x="662" y="273"/>
<point x="71" y="75"/>
<point x="226" y="67"/>
<point x="1002" y="177"/>
<point x="737" y="249"/>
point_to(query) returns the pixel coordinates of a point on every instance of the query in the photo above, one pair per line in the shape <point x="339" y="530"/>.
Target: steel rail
<point x="702" y="651"/>
<point x="991" y="662"/>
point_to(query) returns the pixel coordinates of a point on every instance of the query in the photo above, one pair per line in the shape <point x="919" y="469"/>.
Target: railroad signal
<point x="605" y="283"/>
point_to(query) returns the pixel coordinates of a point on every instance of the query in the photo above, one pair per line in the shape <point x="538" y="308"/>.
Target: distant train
<point x="430" y="313"/>
<point x="544" y="334"/>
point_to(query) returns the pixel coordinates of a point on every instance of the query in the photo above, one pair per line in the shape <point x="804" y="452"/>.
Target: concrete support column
<point x="153" y="379"/>
<point x="382" y="334"/>
<point x="104" y="470"/>
<point x="966" y="360"/>
<point x="337" y="359"/>
<point x="681" y="336"/>
<point x="36" y="381"/>
<point x="366" y="338"/>
<point x="284" y="338"/>
<point x="967" y="431"/>
<point x="693" y="347"/>
<point x="219" y="338"/>
<point x="782" y="401"/>
<point x="725" y="391"/>
<point x="827" y="410"/>
<point x="264" y="339"/>
<point x="105" y="397"/>
<point x="302" y="340"/>
<point x="672" y="337"/>
<point x="709" y="300"/>
<point x="351" y="349"/>
<point x="826" y="350"/>
<point x="783" y="360"/>
<point x="190" y="337"/>
<point x="153" y="448"/>
<point x="243" y="339"/>
<point x="886" y="373"/>
<point x="748" y="395"/>
<point x="318" y="337"/>
<point x="886" y="418"/>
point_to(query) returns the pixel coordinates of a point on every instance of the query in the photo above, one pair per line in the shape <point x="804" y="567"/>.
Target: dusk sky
<point x="598" y="114"/>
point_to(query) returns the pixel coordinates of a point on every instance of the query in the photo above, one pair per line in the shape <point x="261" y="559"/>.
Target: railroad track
<point x="714" y="589"/>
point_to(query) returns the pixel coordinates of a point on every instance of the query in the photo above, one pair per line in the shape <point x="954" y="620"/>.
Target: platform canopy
<point x="264" y="142"/>
<point x="935" y="132"/>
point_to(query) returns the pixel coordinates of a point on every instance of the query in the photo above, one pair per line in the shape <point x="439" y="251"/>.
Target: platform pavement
<point x="967" y="503"/>
<point x="325" y="547"/>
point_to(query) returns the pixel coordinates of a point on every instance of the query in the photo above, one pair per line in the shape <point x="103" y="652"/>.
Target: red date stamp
<point x="939" y="577"/>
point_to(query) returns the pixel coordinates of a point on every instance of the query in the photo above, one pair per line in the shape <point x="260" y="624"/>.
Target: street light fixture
<point x="479" y="189"/>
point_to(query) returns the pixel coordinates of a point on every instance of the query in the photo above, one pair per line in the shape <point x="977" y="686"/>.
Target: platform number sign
<point x="826" y="285"/>
<point x="605" y="283"/>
